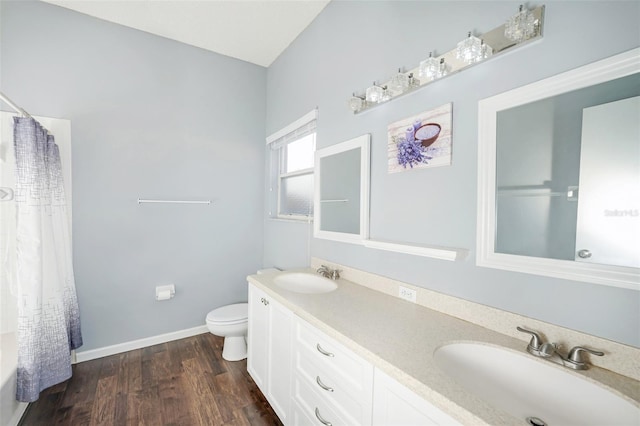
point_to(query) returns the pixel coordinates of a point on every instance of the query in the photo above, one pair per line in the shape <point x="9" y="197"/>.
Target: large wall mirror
<point x="341" y="203"/>
<point x="559" y="175"/>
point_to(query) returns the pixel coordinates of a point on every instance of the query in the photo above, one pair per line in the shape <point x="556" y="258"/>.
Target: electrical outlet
<point x="407" y="294"/>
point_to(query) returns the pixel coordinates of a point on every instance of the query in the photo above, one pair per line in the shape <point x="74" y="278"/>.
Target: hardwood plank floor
<point x="185" y="382"/>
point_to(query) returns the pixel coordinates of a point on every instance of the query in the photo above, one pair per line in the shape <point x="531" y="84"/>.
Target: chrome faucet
<point x="551" y="352"/>
<point x="327" y="272"/>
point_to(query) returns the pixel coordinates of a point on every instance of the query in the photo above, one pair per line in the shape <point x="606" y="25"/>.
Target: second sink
<point x="301" y="282"/>
<point x="534" y="391"/>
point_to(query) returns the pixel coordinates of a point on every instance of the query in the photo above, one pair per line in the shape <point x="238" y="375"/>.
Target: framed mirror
<point x="341" y="196"/>
<point x="559" y="175"/>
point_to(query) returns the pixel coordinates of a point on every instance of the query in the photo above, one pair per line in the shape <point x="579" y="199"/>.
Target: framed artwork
<point x="420" y="141"/>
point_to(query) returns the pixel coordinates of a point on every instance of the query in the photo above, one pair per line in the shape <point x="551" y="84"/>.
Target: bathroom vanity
<point x="269" y="349"/>
<point x="355" y="355"/>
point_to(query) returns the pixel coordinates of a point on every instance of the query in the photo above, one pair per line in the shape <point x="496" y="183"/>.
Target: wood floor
<point x="184" y="382"/>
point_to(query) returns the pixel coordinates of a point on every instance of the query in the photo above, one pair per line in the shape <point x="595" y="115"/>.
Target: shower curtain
<point x="48" y="314"/>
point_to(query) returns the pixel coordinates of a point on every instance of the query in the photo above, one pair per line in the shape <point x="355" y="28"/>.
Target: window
<point x="292" y="161"/>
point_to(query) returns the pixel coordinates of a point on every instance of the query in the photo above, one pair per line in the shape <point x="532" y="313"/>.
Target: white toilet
<point x="231" y="322"/>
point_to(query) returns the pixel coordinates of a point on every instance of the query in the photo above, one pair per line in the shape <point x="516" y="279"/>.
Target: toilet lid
<point x="229" y="314"/>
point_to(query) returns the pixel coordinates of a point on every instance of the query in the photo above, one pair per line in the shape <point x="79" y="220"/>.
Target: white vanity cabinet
<point x="395" y="404"/>
<point x="310" y="379"/>
<point x="331" y="385"/>
<point x="269" y="350"/>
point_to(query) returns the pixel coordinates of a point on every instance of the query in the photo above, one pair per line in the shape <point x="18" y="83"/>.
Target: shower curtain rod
<point x="15" y="107"/>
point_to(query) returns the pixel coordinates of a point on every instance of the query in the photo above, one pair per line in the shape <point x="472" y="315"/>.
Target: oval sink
<point x="533" y="390"/>
<point x="301" y="282"/>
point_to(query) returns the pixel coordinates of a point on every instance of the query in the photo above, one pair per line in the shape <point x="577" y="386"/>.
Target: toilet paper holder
<point x="165" y="292"/>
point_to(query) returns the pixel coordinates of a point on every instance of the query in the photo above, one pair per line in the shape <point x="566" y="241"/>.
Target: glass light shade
<point x="429" y="68"/>
<point x="374" y="94"/>
<point x="356" y="103"/>
<point x="472" y="49"/>
<point x="520" y="26"/>
<point x="399" y="83"/>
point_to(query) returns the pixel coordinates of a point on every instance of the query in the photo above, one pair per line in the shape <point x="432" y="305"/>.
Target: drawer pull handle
<point x="323" y="352"/>
<point x="322" y="385"/>
<point x="323" y="421"/>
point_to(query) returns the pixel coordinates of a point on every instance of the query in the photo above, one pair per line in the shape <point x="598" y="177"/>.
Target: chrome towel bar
<point x="141" y="201"/>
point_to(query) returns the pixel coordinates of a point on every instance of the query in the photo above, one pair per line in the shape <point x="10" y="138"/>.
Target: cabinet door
<point x="279" y="359"/>
<point x="394" y="404"/>
<point x="258" y="338"/>
<point x="269" y="350"/>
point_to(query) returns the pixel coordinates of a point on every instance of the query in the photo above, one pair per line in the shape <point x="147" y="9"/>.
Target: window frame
<point x="282" y="158"/>
<point x="279" y="141"/>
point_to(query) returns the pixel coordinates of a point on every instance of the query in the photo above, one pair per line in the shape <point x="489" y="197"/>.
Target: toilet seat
<point x="229" y="315"/>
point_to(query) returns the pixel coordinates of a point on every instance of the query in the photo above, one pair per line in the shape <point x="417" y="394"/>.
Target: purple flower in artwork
<point x="410" y="153"/>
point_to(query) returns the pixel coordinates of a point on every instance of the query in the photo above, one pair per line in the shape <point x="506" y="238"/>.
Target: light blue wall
<point x="150" y="118"/>
<point x="353" y="43"/>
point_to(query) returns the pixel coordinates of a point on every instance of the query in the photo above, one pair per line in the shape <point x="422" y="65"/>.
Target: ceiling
<point x="255" y="31"/>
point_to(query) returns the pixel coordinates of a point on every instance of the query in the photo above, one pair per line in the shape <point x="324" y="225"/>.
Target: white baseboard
<point x="137" y="344"/>
<point x="17" y="415"/>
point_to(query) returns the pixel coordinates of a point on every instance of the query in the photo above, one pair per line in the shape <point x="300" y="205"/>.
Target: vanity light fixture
<point x="524" y="27"/>
<point x="520" y="26"/>
<point x="472" y="49"/>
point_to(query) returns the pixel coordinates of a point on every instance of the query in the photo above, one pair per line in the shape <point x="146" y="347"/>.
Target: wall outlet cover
<point x="407" y="294"/>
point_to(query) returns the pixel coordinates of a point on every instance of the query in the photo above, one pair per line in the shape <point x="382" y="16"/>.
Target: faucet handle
<point x="335" y="274"/>
<point x="536" y="341"/>
<point x="549" y="349"/>
<point x="575" y="354"/>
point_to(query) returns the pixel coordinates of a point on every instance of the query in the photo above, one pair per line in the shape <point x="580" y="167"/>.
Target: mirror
<point x="341" y="196"/>
<point x="559" y="175"/>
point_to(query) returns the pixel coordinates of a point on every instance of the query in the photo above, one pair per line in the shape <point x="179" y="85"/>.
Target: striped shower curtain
<point x="48" y="314"/>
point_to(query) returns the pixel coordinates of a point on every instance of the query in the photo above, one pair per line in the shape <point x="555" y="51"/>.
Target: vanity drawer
<point x="300" y="417"/>
<point x="354" y="373"/>
<point x="332" y="387"/>
<point x="311" y="408"/>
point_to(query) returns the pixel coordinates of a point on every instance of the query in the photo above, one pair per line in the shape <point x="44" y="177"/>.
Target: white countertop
<point x="400" y="337"/>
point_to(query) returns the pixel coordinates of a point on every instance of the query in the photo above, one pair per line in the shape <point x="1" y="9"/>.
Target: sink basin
<point x="533" y="390"/>
<point x="301" y="282"/>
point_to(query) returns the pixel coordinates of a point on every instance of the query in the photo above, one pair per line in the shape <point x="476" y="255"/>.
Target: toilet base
<point x="234" y="348"/>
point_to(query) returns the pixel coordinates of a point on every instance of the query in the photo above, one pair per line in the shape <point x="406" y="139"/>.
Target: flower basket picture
<point x="420" y="141"/>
